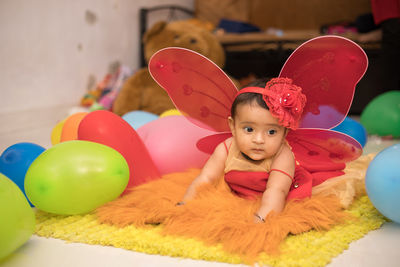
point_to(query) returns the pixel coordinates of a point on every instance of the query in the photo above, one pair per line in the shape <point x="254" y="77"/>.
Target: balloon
<point x="138" y="118"/>
<point x="382" y="115"/>
<point x="56" y="132"/>
<point x="71" y="124"/>
<point x="382" y="182"/>
<point x="17" y="220"/>
<point x="16" y="159"/>
<point x="170" y="112"/>
<point x="75" y="177"/>
<point x="107" y="128"/>
<point x="323" y="117"/>
<point x="354" y="129"/>
<point x="171" y="142"/>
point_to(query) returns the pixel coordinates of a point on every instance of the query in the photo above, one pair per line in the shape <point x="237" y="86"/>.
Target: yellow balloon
<point x="56" y="132"/>
<point x="170" y="112"/>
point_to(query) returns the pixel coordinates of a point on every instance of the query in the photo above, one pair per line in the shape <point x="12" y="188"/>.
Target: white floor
<point x="378" y="248"/>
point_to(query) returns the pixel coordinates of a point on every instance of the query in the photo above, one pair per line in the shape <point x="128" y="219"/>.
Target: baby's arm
<point x="212" y="170"/>
<point x="278" y="185"/>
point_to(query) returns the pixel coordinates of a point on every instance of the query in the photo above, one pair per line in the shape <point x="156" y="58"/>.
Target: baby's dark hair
<point x="250" y="97"/>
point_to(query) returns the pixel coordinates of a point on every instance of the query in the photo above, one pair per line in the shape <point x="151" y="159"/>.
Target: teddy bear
<point x="140" y="91"/>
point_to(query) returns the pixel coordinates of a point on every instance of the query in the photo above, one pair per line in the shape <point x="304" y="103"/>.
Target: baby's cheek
<point x="273" y="149"/>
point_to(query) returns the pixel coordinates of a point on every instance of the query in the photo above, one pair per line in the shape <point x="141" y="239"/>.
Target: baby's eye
<point x="248" y="129"/>
<point x="272" y="132"/>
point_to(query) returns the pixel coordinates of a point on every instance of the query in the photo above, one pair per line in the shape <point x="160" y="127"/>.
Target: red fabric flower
<point x="285" y="101"/>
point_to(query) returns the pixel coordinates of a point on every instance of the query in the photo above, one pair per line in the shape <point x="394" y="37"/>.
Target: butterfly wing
<point x="198" y="87"/>
<point x="321" y="145"/>
<point x="209" y="143"/>
<point x="327" y="68"/>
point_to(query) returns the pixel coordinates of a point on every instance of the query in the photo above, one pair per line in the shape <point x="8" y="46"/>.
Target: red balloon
<point x="109" y="129"/>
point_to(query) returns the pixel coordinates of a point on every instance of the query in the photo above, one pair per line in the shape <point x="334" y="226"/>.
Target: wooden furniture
<point x="262" y="54"/>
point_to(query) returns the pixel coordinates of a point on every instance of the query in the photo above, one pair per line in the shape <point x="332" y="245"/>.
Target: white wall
<point x="49" y="49"/>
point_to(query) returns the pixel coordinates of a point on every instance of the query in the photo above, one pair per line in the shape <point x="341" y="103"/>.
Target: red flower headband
<point x="284" y="99"/>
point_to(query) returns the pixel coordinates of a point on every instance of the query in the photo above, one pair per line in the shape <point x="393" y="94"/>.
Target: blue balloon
<point x="138" y="118"/>
<point x="382" y="182"/>
<point x="354" y="129"/>
<point x="15" y="161"/>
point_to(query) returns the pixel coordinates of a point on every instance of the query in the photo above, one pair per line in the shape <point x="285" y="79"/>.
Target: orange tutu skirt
<point x="217" y="216"/>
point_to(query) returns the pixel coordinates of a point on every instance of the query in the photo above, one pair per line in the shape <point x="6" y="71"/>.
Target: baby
<point x="257" y="160"/>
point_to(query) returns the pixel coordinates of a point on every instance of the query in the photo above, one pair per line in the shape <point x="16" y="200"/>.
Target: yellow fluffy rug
<point x="308" y="248"/>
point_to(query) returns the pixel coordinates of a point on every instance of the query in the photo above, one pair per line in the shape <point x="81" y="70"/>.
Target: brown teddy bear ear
<point x="155" y="29"/>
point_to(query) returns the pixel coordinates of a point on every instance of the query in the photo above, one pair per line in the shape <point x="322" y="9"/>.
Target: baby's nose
<point x="258" y="138"/>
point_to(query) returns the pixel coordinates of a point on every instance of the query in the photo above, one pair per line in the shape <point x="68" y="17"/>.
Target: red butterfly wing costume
<point x="327" y="69"/>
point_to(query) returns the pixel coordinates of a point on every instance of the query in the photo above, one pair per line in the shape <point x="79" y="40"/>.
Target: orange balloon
<point x="71" y="124"/>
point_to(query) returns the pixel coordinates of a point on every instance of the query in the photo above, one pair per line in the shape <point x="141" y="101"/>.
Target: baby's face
<point x="256" y="132"/>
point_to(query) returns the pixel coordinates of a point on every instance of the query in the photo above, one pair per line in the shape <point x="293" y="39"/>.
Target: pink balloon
<point x="171" y="142"/>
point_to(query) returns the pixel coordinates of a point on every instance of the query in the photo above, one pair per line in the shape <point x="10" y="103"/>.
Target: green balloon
<point x="17" y="220"/>
<point x="382" y="115"/>
<point x="76" y="177"/>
